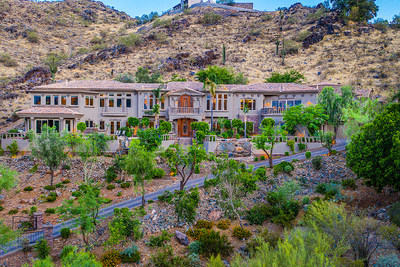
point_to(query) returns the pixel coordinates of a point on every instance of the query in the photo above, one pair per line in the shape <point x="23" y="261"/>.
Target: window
<point x="49" y="123"/>
<point x="74" y="100"/>
<point x="148" y="101"/>
<point x="225" y="102"/>
<point x="112" y="127"/>
<point x="89" y="101"/>
<point x="48" y="100"/>
<point x="102" y="125"/>
<point x="128" y="103"/>
<point x="297" y="102"/>
<point x="162" y="103"/>
<point x="102" y="100"/>
<point x="118" y="125"/>
<point x="37" y="100"/>
<point x="63" y="100"/>
<point x="128" y="95"/>
<point x="209" y="98"/>
<point x="283" y="104"/>
<point x="111" y="102"/>
<point x="119" y="102"/>
<point x="56" y="100"/>
<point x="89" y="124"/>
<point x="250" y="103"/>
<point x="220" y="102"/>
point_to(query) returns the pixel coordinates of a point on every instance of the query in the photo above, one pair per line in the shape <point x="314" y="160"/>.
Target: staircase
<point x="185" y="141"/>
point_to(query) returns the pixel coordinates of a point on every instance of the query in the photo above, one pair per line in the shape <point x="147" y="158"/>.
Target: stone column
<point x="38" y="220"/>
<point x="62" y="122"/>
<point x="33" y="124"/>
<point x="48" y="233"/>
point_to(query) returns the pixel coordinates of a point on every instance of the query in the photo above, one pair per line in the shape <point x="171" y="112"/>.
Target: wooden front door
<point x="184" y="129"/>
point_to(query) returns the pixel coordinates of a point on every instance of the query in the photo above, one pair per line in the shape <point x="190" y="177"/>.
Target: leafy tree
<point x="200" y="126"/>
<point x="396" y="21"/>
<point x="304" y="119"/>
<point x="140" y="163"/>
<point x="186" y="204"/>
<point x="267" y="140"/>
<point x="356" y="10"/>
<point x="86" y="211"/>
<point x="267" y="122"/>
<point x="7" y="178"/>
<point x="88" y="150"/>
<point x="81" y="126"/>
<point x="145" y="122"/>
<point x="124" y="224"/>
<point x="49" y="148"/>
<point x="165" y="127"/>
<point x="150" y="139"/>
<point x="292" y="76"/>
<point x="220" y="75"/>
<point x="327" y="139"/>
<point x="6" y="235"/>
<point x="237" y="124"/>
<point x="133" y="121"/>
<point x="143" y="75"/>
<point x="72" y="140"/>
<point x="245" y="110"/>
<point x="125" y="78"/>
<point x="184" y="161"/>
<point x="374" y="153"/>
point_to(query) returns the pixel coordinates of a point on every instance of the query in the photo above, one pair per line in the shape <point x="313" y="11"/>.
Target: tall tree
<point x="267" y="140"/>
<point x="220" y="75"/>
<point x="140" y="163"/>
<point x="211" y="87"/>
<point x="184" y="161"/>
<point x="49" y="148"/>
<point x="156" y="109"/>
<point x="306" y="120"/>
<point x="7" y="178"/>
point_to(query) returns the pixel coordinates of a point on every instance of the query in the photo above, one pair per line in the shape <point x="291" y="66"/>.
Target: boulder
<point x="182" y="238"/>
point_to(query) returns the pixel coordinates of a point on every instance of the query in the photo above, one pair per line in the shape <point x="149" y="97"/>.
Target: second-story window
<point x="119" y="102"/>
<point x="250" y="103"/>
<point x="128" y="103"/>
<point x="48" y="100"/>
<point x="89" y="101"/>
<point x="283" y="104"/>
<point x="63" y="100"/>
<point x="102" y="101"/>
<point x="37" y="100"/>
<point x="162" y="103"/>
<point x="74" y="100"/>
<point x="56" y="100"/>
<point x="148" y="101"/>
<point x="111" y="102"/>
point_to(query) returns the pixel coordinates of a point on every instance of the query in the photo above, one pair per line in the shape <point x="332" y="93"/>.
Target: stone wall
<point x="234" y="148"/>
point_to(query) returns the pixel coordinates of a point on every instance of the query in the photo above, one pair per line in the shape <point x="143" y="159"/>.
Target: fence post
<point x="38" y="220"/>
<point x="48" y="233"/>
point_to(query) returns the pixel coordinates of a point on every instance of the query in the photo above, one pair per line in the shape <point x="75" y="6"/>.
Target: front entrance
<point x="184" y="129"/>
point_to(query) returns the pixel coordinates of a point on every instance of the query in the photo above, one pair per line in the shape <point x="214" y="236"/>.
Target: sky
<point x="387" y="8"/>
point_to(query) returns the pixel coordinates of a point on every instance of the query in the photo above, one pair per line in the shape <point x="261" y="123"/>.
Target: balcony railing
<point x="185" y="110"/>
<point x="265" y="111"/>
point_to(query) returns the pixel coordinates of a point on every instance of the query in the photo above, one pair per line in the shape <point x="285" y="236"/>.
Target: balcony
<point x="185" y="110"/>
<point x="113" y="112"/>
<point x="272" y="111"/>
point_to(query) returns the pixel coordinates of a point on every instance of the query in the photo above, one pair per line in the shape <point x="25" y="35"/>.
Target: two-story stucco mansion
<point x="106" y="105"/>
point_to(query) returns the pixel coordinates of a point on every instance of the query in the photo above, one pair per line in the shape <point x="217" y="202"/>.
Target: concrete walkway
<point x="136" y="202"/>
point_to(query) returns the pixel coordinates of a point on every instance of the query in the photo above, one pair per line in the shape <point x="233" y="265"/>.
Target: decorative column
<point x="48" y="233"/>
<point x="38" y="220"/>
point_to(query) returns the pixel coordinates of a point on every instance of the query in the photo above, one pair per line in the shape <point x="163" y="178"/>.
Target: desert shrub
<point x="96" y="40"/>
<point x="305" y="201"/>
<point x="264" y="237"/>
<point x="13" y="211"/>
<point x="1" y="152"/>
<point x="33" y="37"/>
<point x="59" y="185"/>
<point x="302" y="147"/>
<point x="13" y="148"/>
<point x="256" y="159"/>
<point x="28" y="188"/>
<point x="111" y="258"/>
<point x="278" y="168"/>
<point x="130" y="254"/>
<point x="76" y="194"/>
<point x="66" y="181"/>
<point x="126" y="185"/>
<point x="42" y="249"/>
<point x="162" y="23"/>
<point x="166" y="258"/>
<point x="7" y="60"/>
<point x="50" y="211"/>
<point x="123" y="225"/>
<point x="213" y="242"/>
<point x="328" y="190"/>
<point x="161" y="240"/>
<point x="49" y="187"/>
<point x="392" y="235"/>
<point x="237" y="136"/>
<point x="259" y="214"/>
<point x="391" y="260"/>
<point x="317" y="162"/>
<point x="51" y="197"/>
<point x="158" y="173"/>
<point x="290" y="144"/>
<point x="308" y="154"/>
<point x="200" y="136"/>
<point x="288" y="169"/>
<point x="291" y="47"/>
<point x="394" y="213"/>
<point x="194" y="247"/>
<point x="65" y="233"/>
<point x="262" y="157"/>
<point x="110" y="187"/>
<point x="166" y="196"/>
<point x="349" y="183"/>
<point x="1" y="208"/>
<point x="316" y="15"/>
<point x="266" y="17"/>
<point x="131" y="40"/>
<point x="261" y="173"/>
<point x="287" y="153"/>
<point x="210" y="18"/>
<point x="255" y="32"/>
<point x="196" y="233"/>
<point x="204" y="224"/>
<point x="241" y="233"/>
<point x="67" y="250"/>
<point x="224" y="224"/>
<point x="302" y="36"/>
<point x="111" y="174"/>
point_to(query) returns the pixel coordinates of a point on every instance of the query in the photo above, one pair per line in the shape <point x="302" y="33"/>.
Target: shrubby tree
<point x="292" y="76"/>
<point x="396" y="21"/>
<point x="89" y="149"/>
<point x="49" y="148"/>
<point x="81" y="126"/>
<point x="327" y="139"/>
<point x="374" y="153"/>
<point x="145" y="122"/>
<point x="150" y="139"/>
<point x="184" y="161"/>
<point x="143" y="75"/>
<point x="80" y="258"/>
<point x="267" y="140"/>
<point x="7" y="178"/>
<point x="6" y="235"/>
<point x="125" y="78"/>
<point x="220" y="75"/>
<point x="356" y="10"/>
<point x="123" y="225"/>
<point x="165" y="127"/>
<point x="72" y="140"/>
<point x="304" y="119"/>
<point x="140" y="164"/>
<point x="156" y="109"/>
<point x="186" y="204"/>
<point x="133" y="122"/>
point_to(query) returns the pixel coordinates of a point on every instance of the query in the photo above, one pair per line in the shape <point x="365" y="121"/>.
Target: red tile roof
<point x="49" y="111"/>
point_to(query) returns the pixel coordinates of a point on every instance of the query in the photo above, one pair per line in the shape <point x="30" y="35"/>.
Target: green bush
<point x="261" y="173"/>
<point x="158" y="173"/>
<point x="13" y="211"/>
<point x="214" y="243"/>
<point x="50" y="187"/>
<point x="203" y="224"/>
<point x="255" y="158"/>
<point x="266" y="17"/>
<point x="305" y="201"/>
<point x="259" y="214"/>
<point x="290" y="144"/>
<point x="111" y="258"/>
<point x="162" y="23"/>
<point x="1" y="208"/>
<point x="197" y="169"/>
<point x="166" y="196"/>
<point x="308" y="154"/>
<point x="131" y="40"/>
<point x="288" y="169"/>
<point x="287" y="153"/>
<point x="349" y="183"/>
<point x="110" y="187"/>
<point x="237" y="136"/>
<point x="126" y="185"/>
<point x="65" y="233"/>
<point x="50" y="211"/>
<point x="28" y="188"/>
<point x="328" y="190"/>
<point x="42" y="249"/>
<point x="394" y="213"/>
<point x="67" y="250"/>
<point x="7" y="61"/>
<point x="241" y="233"/>
<point x="111" y="174"/>
<point x="210" y="18"/>
<point x="194" y="247"/>
<point x="125" y="224"/>
<point x="33" y="37"/>
<point x="281" y="167"/>
<point x="59" y="185"/>
<point x="76" y="194"/>
<point x="333" y="152"/>
<point x="165" y="257"/>
<point x="391" y="234"/>
<point x="262" y="157"/>
<point x="224" y="224"/>
<point x="66" y="181"/>
<point x="13" y="148"/>
<point x="51" y="197"/>
<point x="131" y="254"/>
<point x="159" y="241"/>
<point x="200" y="136"/>
<point x="301" y="147"/>
<point x="264" y="237"/>
<point x="317" y="162"/>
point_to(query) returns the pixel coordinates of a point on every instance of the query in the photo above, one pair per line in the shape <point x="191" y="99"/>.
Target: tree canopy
<point x="292" y="76"/>
<point x="304" y="119"/>
<point x="374" y="153"/>
<point x="356" y="10"/>
<point x="220" y="75"/>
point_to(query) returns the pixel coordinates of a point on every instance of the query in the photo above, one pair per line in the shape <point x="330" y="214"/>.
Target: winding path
<point x="135" y="202"/>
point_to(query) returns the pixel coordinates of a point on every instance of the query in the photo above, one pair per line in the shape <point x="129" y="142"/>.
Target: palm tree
<point x="245" y="111"/>
<point x="212" y="88"/>
<point x="156" y="109"/>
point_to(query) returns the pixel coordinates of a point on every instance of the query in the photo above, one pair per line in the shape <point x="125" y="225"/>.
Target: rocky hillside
<point x="87" y="36"/>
